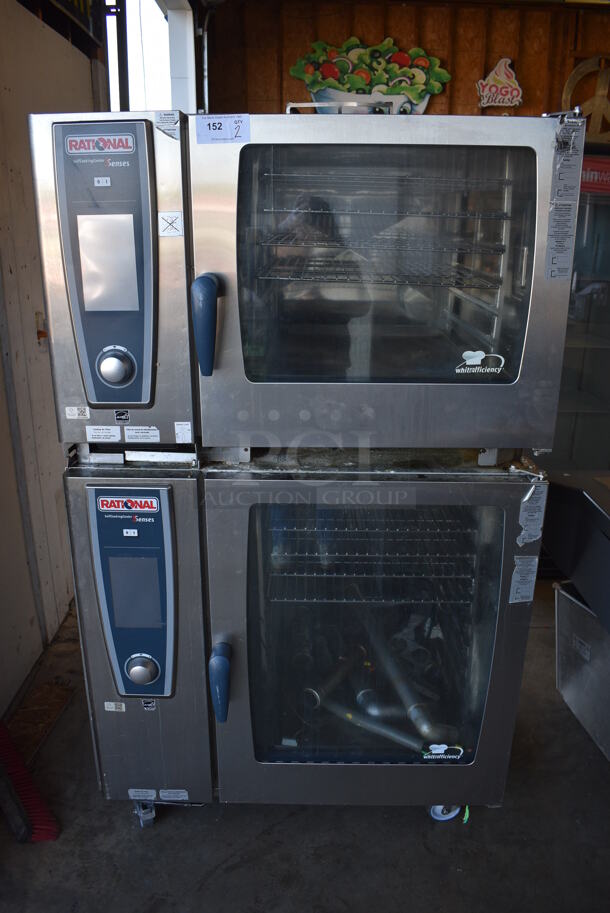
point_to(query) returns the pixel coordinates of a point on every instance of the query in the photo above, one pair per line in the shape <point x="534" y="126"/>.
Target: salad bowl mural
<point x="401" y="82"/>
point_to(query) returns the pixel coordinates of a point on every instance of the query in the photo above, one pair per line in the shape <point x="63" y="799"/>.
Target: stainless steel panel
<point x="577" y="534"/>
<point x="237" y="412"/>
<point x="583" y="666"/>
<point x="167" y="747"/>
<point x="228" y="498"/>
<point x="173" y="399"/>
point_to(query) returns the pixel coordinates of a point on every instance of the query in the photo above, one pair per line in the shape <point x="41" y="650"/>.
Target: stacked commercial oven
<point x="295" y="359"/>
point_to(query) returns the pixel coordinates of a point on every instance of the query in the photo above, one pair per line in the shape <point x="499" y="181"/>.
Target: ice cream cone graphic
<point x="500" y="87"/>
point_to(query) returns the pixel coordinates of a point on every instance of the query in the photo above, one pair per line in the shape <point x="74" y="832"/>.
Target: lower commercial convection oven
<point x="366" y="627"/>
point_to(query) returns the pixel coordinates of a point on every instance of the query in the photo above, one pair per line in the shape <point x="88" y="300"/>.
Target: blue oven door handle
<point x="219" y="672"/>
<point x="204" y="298"/>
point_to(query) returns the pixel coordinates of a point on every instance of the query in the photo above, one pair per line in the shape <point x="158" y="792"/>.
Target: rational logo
<point x="101" y="143"/>
<point x="140" y="505"/>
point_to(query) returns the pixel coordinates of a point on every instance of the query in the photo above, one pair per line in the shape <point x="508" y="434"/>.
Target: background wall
<point x="253" y="45"/>
<point x="39" y="71"/>
<point x="20" y="636"/>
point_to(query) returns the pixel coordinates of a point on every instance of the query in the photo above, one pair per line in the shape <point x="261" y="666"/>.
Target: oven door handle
<point x="204" y="300"/>
<point x="219" y="673"/>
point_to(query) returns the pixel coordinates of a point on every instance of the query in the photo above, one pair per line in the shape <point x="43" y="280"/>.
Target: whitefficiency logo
<point x="141" y="505"/>
<point x="473" y="363"/>
<point x="108" y="144"/>
<point x="443" y="753"/>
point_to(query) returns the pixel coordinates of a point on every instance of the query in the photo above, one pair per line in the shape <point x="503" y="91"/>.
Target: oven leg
<point x="145" y="812"/>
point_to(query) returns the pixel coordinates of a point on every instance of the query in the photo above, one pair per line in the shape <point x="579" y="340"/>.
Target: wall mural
<point x="395" y="81"/>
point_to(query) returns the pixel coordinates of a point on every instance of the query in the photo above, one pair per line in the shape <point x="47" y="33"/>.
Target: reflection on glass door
<point x="371" y="631"/>
<point x="582" y="436"/>
<point x="385" y="263"/>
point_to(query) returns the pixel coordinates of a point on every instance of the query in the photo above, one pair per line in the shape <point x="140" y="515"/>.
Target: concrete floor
<point x="547" y="849"/>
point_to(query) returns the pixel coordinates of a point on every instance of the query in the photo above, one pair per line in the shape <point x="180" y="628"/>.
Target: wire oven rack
<point x="318" y="269"/>
<point x="495" y="214"/>
<point x="382" y="240"/>
<point x="371" y="560"/>
<point x="386" y="590"/>
<point x="436" y="522"/>
<point x="364" y="181"/>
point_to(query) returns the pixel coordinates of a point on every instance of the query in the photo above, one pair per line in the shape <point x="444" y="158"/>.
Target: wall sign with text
<point x="500" y="87"/>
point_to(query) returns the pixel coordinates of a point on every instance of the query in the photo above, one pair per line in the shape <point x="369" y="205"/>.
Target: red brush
<point x="28" y="813"/>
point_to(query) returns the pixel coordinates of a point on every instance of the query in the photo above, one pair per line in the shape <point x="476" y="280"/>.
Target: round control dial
<point x="142" y="669"/>
<point x="116" y="367"/>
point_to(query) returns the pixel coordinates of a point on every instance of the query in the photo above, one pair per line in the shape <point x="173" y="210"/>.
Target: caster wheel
<point x="145" y="812"/>
<point x="444" y="812"/>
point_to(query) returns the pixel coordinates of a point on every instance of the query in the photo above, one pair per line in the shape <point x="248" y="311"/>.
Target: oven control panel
<point x="105" y="197"/>
<point x="131" y="540"/>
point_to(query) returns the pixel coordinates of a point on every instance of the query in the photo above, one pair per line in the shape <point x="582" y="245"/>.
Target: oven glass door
<point x="385" y="263"/>
<point x="369" y="634"/>
<point x="371" y="631"/>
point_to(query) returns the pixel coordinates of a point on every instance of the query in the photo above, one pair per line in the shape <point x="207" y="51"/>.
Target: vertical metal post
<point x="121" y="41"/>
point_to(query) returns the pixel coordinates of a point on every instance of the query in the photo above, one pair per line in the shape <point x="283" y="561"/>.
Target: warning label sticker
<point x="148" y="795"/>
<point x="565" y="191"/>
<point x="531" y="514"/>
<point x="103" y="434"/>
<point x="184" y="434"/>
<point x="77" y="412"/>
<point x="174" y="795"/>
<point x="135" y="434"/>
<point x="524" y="579"/>
<point x="168" y="122"/>
<point x="171" y="225"/>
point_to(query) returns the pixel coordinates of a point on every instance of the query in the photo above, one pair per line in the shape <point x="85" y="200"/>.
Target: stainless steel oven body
<point x="368" y="630"/>
<point x="137" y="572"/>
<point x="383" y="281"/>
<point x="110" y="192"/>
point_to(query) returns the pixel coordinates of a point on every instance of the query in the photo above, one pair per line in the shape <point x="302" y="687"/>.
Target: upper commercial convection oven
<point x="382" y="281"/>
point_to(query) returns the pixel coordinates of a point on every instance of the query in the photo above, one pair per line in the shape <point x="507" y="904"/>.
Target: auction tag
<point x="223" y="128"/>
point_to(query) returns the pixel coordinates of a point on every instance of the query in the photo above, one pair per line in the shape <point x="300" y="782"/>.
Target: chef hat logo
<point x="438" y="749"/>
<point x="473" y="358"/>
